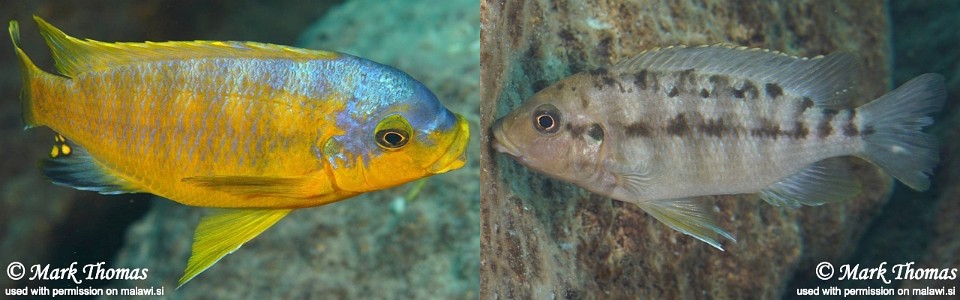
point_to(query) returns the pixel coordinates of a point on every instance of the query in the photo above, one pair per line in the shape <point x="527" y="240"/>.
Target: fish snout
<point x="500" y="141"/>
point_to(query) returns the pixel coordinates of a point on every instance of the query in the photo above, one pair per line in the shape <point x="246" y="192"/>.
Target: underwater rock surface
<point x="374" y="246"/>
<point x="543" y="238"/>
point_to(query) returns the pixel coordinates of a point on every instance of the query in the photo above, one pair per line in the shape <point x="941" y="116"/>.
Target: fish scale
<point x="671" y="125"/>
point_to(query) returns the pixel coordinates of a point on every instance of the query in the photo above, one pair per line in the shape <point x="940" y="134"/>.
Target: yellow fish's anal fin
<point x="262" y="186"/>
<point x="71" y="165"/>
<point x="74" y="56"/>
<point x="223" y="232"/>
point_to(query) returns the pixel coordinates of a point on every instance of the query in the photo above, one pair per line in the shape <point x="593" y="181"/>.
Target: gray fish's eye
<point x="546" y="118"/>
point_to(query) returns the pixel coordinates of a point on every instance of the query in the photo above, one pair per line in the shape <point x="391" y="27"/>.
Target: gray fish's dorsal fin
<point x="830" y="81"/>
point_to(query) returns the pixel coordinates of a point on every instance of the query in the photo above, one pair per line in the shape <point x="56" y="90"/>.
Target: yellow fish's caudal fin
<point x="28" y="74"/>
<point x="690" y="216"/>
<point x="223" y="232"/>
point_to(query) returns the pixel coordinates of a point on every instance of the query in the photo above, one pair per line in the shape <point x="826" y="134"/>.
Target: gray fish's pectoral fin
<point x="71" y="165"/>
<point x="631" y="180"/>
<point x="254" y="186"/>
<point x="825" y="181"/>
<point x="691" y="216"/>
<point x="223" y="232"/>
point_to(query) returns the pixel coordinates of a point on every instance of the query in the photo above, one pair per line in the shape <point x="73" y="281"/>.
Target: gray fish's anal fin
<point x="224" y="231"/>
<point x="691" y="216"/>
<point x="71" y="165"/>
<point x="829" y="81"/>
<point x="825" y="181"/>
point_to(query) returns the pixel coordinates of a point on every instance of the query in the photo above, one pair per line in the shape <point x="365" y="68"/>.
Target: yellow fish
<point x="255" y="130"/>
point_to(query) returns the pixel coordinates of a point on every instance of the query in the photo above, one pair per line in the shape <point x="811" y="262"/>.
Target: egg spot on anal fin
<point x="71" y="165"/>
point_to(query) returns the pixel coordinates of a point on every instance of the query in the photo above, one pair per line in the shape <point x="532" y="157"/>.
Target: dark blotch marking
<point x="851" y="129"/>
<point x="595" y="132"/>
<point x="738" y="94"/>
<point x="807" y="103"/>
<point x="603" y="78"/>
<point x="560" y="85"/>
<point x="678" y="125"/>
<point x="774" y="90"/>
<point x="673" y="92"/>
<point x="713" y="127"/>
<point x="575" y="131"/>
<point x="719" y="83"/>
<point x="767" y="129"/>
<point x="641" y="79"/>
<point x="824" y="129"/>
<point x="704" y="93"/>
<point x="584" y="101"/>
<point x="867" y="131"/>
<point x="638" y="128"/>
<point x="799" y="131"/>
<point x="751" y="90"/>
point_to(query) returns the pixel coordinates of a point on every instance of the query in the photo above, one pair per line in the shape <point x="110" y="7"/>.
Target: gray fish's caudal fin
<point x="892" y="130"/>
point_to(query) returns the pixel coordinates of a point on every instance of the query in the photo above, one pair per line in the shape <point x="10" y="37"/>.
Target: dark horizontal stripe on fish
<point x="685" y="124"/>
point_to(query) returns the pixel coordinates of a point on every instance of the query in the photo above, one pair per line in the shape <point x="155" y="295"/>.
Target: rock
<point x="376" y="245"/>
<point x="543" y="238"/>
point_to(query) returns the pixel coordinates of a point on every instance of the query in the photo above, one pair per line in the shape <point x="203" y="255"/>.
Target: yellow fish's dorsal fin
<point x="263" y="186"/>
<point x="224" y="231"/>
<point x="74" y="56"/>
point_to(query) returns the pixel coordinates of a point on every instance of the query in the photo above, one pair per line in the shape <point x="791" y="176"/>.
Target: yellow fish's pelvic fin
<point x="28" y="72"/>
<point x="71" y="165"/>
<point x="223" y="232"/>
<point x="690" y="216"/>
<point x="261" y="186"/>
<point x="74" y="56"/>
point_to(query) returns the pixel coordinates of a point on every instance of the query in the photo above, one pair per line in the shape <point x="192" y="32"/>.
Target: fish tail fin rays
<point x="71" y="165"/>
<point x="892" y="131"/>
<point x="690" y="216"/>
<point x="825" y="181"/>
<point x="29" y="72"/>
<point x="223" y="232"/>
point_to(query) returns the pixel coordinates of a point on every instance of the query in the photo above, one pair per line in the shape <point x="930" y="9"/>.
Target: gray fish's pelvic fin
<point x="691" y="216"/>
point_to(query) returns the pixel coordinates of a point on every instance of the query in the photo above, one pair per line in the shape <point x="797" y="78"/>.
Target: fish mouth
<point x="501" y="143"/>
<point x="456" y="155"/>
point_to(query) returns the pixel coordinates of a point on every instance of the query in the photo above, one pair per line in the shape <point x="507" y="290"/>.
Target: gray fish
<point x="672" y="124"/>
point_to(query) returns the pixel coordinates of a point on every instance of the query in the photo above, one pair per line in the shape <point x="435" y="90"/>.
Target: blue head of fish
<point x="396" y="130"/>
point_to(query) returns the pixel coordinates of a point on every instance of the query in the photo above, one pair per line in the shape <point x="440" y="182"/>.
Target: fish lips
<point x="501" y="143"/>
<point x="456" y="155"/>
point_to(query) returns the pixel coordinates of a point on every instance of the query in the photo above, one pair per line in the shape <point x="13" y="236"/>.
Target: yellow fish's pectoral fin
<point x="71" y="165"/>
<point x="223" y="232"/>
<point x="690" y="216"/>
<point x="253" y="186"/>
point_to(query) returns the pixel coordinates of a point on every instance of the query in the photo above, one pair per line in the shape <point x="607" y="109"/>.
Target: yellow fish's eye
<point x="391" y="138"/>
<point x="546" y="118"/>
<point x="393" y="132"/>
